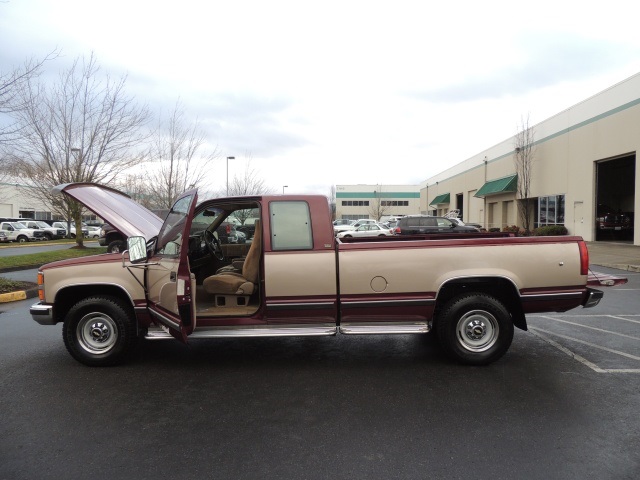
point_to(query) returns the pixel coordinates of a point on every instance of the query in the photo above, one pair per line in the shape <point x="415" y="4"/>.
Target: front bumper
<point x="42" y="313"/>
<point x="592" y="298"/>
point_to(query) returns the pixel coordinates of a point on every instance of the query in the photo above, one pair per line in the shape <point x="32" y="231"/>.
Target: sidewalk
<point x="622" y="256"/>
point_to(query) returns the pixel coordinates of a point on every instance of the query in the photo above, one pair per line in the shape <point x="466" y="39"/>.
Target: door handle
<point x="173" y="276"/>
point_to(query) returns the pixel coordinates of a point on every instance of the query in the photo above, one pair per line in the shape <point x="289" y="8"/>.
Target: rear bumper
<point x="42" y="313"/>
<point x="592" y="298"/>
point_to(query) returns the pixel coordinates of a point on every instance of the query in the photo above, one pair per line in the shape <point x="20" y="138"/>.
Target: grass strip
<point x="35" y="260"/>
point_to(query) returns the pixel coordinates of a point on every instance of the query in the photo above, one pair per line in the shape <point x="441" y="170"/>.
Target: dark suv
<point x="424" y="224"/>
<point x="112" y="239"/>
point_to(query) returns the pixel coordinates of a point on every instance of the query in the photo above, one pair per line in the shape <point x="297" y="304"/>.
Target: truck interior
<point x="225" y="251"/>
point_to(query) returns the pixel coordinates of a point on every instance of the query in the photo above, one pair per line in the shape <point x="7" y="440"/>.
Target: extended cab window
<point x="290" y="226"/>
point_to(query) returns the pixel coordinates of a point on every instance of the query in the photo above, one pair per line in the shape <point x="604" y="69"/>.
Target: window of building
<point x="550" y="210"/>
<point x="395" y="203"/>
<point x="355" y="203"/>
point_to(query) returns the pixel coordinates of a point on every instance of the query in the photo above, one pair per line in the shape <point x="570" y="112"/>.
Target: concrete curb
<point x="620" y="266"/>
<point x="18" y="295"/>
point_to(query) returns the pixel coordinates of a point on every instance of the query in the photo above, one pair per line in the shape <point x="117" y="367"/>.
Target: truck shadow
<point x="373" y="351"/>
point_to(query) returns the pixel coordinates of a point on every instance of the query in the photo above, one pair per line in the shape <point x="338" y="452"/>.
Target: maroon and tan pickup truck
<point x="293" y="277"/>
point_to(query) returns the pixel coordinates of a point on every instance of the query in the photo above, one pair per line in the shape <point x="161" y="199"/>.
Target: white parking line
<point x="582" y="360"/>
<point x="622" y="318"/>
<point x="590" y="328"/>
<point x="536" y="331"/>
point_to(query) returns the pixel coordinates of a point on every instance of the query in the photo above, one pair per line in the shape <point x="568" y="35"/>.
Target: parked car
<point x="18" y="232"/>
<point x="227" y="233"/>
<point x="352" y="226"/>
<point x="111" y="238"/>
<point x="608" y="218"/>
<point x="50" y="232"/>
<point x="342" y="221"/>
<point x="93" y="231"/>
<point x="461" y="223"/>
<point x="367" y="230"/>
<point x="423" y="224"/>
<point x="248" y="229"/>
<point x="63" y="224"/>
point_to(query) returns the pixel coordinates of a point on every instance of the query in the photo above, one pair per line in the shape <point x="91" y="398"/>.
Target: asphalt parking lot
<point x="606" y="338"/>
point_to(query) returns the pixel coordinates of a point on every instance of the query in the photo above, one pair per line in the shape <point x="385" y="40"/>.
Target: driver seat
<point x="231" y="285"/>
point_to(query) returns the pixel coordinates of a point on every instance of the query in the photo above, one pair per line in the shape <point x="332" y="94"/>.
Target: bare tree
<point x="84" y="128"/>
<point x="524" y="157"/>
<point x="331" y="198"/>
<point x="248" y="183"/>
<point x="10" y="83"/>
<point x="378" y="207"/>
<point x="178" y="162"/>
<point x="137" y="187"/>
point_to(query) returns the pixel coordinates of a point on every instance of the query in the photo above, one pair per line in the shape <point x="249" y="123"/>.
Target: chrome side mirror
<point x="137" y="247"/>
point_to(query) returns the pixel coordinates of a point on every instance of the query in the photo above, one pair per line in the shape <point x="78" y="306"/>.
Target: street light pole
<point x="228" y="158"/>
<point x="283" y="187"/>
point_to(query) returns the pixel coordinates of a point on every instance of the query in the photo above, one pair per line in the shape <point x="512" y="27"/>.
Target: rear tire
<point x="99" y="331"/>
<point x="475" y="329"/>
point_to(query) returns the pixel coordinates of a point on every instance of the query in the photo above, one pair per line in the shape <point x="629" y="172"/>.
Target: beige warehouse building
<point x="584" y="165"/>
<point x="584" y="162"/>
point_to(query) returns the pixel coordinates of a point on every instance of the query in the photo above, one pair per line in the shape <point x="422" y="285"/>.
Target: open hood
<point x="115" y="207"/>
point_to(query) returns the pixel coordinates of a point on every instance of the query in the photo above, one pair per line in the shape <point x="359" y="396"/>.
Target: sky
<point x="316" y="94"/>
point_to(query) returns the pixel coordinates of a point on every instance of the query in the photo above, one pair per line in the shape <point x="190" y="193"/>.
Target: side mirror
<point x="137" y="247"/>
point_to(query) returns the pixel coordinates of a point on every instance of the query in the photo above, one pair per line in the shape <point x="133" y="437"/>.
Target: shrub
<point x="550" y="230"/>
<point x="518" y="231"/>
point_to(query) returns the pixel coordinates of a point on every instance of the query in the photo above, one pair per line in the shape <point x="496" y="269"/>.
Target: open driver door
<point x="170" y="286"/>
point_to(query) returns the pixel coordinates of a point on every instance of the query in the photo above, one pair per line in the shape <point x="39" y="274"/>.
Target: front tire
<point x="99" y="331"/>
<point x="475" y="329"/>
<point x="117" y="246"/>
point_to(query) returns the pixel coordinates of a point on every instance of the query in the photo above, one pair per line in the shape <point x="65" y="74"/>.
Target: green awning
<point x="440" y="199"/>
<point x="502" y="185"/>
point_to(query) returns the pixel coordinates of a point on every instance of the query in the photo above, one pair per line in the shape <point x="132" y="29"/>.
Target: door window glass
<point x="170" y="238"/>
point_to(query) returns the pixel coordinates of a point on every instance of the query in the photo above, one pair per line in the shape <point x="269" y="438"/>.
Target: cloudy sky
<point x="340" y="92"/>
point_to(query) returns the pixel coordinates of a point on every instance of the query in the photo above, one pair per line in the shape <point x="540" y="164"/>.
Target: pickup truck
<point x="51" y="233"/>
<point x="294" y="278"/>
<point x="18" y="232"/>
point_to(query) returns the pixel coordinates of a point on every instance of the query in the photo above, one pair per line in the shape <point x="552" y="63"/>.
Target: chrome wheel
<point x="477" y="331"/>
<point x="97" y="333"/>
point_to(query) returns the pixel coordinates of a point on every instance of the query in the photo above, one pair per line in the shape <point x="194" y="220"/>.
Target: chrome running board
<point x="378" y="328"/>
<point x="248" y="331"/>
<point x="374" y="328"/>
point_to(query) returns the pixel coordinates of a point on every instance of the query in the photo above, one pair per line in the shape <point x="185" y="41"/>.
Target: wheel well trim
<point x="460" y="278"/>
<point x="95" y="285"/>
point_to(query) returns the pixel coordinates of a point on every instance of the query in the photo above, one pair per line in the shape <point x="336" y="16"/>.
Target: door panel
<point x="169" y="282"/>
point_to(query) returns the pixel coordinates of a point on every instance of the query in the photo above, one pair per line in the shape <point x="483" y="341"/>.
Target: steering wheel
<point x="213" y="245"/>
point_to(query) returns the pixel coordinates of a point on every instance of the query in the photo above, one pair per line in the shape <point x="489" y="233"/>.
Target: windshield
<point x="42" y="224"/>
<point x="18" y="226"/>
